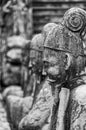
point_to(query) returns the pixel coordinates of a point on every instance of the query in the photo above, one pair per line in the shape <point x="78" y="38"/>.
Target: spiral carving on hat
<point x="75" y="19"/>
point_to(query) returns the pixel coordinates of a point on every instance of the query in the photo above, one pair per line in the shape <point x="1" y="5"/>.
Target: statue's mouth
<point x="51" y="80"/>
<point x="55" y="78"/>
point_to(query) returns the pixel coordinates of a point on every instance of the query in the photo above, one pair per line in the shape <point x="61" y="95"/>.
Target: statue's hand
<point x="35" y="119"/>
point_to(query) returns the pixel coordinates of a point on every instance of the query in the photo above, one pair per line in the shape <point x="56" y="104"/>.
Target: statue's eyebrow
<point x="63" y="50"/>
<point x="39" y="50"/>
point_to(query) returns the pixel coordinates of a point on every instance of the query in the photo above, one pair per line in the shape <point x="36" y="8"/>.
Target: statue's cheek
<point x="54" y="70"/>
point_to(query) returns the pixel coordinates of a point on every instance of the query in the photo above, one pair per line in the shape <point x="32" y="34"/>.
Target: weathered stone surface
<point x="63" y="50"/>
<point x="41" y="109"/>
<point x="75" y="20"/>
<point x="12" y="90"/>
<point x="39" y="115"/>
<point x="4" y="124"/>
<point x="48" y="28"/>
<point x="35" y="64"/>
<point x="55" y="54"/>
<point x="18" y="107"/>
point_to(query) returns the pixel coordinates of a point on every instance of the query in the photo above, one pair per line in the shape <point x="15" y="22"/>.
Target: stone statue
<point x="20" y="106"/>
<point x="44" y="94"/>
<point x="14" y="65"/>
<point x="35" y="64"/>
<point x="63" y="52"/>
<point x="36" y="47"/>
<point x="75" y="20"/>
<point x="43" y="104"/>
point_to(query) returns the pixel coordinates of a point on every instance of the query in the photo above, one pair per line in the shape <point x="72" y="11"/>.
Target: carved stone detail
<point x="74" y="19"/>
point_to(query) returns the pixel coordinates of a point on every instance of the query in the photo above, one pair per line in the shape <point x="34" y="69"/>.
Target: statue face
<point x="35" y="61"/>
<point x="55" y="64"/>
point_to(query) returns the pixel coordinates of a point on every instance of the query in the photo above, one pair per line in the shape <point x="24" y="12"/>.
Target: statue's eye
<point x="46" y="64"/>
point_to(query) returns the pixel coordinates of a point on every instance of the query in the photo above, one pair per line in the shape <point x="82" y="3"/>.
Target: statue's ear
<point x="68" y="59"/>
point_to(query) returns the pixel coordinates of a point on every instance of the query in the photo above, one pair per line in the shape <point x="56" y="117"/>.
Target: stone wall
<point x="45" y="11"/>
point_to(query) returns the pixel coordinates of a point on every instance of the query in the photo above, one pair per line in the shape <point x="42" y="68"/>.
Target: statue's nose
<point x="44" y="72"/>
<point x="30" y="64"/>
<point x="44" y="59"/>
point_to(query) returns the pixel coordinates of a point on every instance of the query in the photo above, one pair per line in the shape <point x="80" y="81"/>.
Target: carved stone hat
<point x="47" y="28"/>
<point x="37" y="42"/>
<point x="75" y="19"/>
<point x="62" y="39"/>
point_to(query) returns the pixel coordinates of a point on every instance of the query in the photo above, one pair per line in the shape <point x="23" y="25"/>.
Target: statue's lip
<point x="51" y="80"/>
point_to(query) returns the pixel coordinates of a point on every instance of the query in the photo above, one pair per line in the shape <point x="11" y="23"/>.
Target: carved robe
<point x="39" y="116"/>
<point x="77" y="105"/>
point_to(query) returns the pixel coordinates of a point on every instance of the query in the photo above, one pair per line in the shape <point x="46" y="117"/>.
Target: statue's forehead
<point x="35" y="54"/>
<point x="51" y="55"/>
